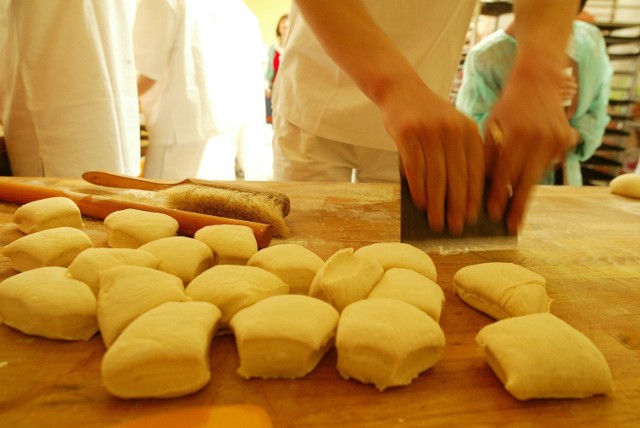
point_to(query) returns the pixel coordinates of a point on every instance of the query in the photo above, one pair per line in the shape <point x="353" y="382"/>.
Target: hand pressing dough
<point x="88" y="264"/>
<point x="183" y="257"/>
<point x="232" y="288"/>
<point x="411" y="287"/>
<point x="46" y="302"/>
<point x="231" y="244"/>
<point x="126" y="292"/>
<point x="345" y="278"/>
<point x="283" y="336"/>
<point x="162" y="353"/>
<point x="400" y="255"/>
<point x="626" y="185"/>
<point x="51" y="247"/>
<point x="130" y="228"/>
<point x="541" y="356"/>
<point x="293" y="263"/>
<point x="46" y="214"/>
<point x="502" y="290"/>
<point x="386" y="342"/>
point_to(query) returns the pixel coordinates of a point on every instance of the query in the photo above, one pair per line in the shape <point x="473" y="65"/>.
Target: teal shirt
<point x="487" y="67"/>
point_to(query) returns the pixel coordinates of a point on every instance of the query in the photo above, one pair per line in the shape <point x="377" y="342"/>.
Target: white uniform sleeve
<point x="154" y="35"/>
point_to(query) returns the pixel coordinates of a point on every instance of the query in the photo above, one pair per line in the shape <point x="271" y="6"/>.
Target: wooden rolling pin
<point x="97" y="207"/>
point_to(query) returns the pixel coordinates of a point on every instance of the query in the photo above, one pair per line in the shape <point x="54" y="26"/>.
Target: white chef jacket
<point x="67" y="82"/>
<point x="314" y="94"/>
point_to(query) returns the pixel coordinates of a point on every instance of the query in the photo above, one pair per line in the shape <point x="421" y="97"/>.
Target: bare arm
<point x="144" y="84"/>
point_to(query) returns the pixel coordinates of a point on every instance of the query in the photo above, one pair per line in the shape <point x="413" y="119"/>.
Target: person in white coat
<point x="68" y="87"/>
<point x="195" y="84"/>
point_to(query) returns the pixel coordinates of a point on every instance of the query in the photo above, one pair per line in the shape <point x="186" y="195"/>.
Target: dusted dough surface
<point x="51" y="247"/>
<point x="46" y="302"/>
<point x="232" y="288"/>
<point x="162" y="353"/>
<point x="183" y="257"/>
<point x="502" y="290"/>
<point x="293" y="263"/>
<point x="87" y="265"/>
<point x="411" y="287"/>
<point x="400" y="255"/>
<point x="231" y="244"/>
<point x="345" y="278"/>
<point x="130" y="228"/>
<point x="283" y="336"/>
<point x="48" y="213"/>
<point x="626" y="185"/>
<point x="386" y="342"/>
<point x="541" y="356"/>
<point x="127" y="292"/>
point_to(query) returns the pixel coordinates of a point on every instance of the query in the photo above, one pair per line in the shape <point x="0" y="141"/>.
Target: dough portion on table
<point x="183" y="257"/>
<point x="88" y="264"/>
<point x="400" y="255"/>
<point x="626" y="185"/>
<point x="48" y="213"/>
<point x="232" y="288"/>
<point x="345" y="278"/>
<point x="293" y="263"/>
<point x="409" y="286"/>
<point x="46" y="302"/>
<point x="131" y="228"/>
<point x="126" y="292"/>
<point x="283" y="336"/>
<point x="50" y="247"/>
<point x="162" y="353"/>
<point x="502" y="290"/>
<point x="541" y="356"/>
<point x="231" y="244"/>
<point x="386" y="342"/>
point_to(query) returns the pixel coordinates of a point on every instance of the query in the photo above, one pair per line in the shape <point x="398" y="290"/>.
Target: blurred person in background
<point x="273" y="59"/>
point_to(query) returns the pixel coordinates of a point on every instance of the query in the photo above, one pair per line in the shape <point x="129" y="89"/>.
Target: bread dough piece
<point x="400" y="255"/>
<point x="293" y="263"/>
<point x="162" y="353"/>
<point x="46" y="302"/>
<point x="502" y="290"/>
<point x="46" y="214"/>
<point x="283" y="336"/>
<point x="232" y="288"/>
<point x="127" y="292"/>
<point x="345" y="278"/>
<point x="86" y="266"/>
<point x="626" y="185"/>
<point x="541" y="356"/>
<point x="411" y="287"/>
<point x="183" y="257"/>
<point x="231" y="244"/>
<point x="51" y="247"/>
<point x="131" y="228"/>
<point x="386" y="342"/>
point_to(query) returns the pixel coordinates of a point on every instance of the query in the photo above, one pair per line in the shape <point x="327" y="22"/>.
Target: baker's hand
<point x="441" y="151"/>
<point x="535" y="131"/>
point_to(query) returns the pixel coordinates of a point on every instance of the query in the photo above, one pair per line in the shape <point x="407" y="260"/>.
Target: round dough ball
<point x="283" y="336"/>
<point x="46" y="214"/>
<point x="232" y="288"/>
<point x="46" y="302"/>
<point x="409" y="286"/>
<point x="293" y="263"/>
<point x="131" y="228"/>
<point x="88" y="264"/>
<point x="50" y="247"/>
<point x="386" y="342"/>
<point x="231" y="244"/>
<point x="183" y="257"/>
<point x="626" y="185"/>
<point x="345" y="278"/>
<point x="400" y="255"/>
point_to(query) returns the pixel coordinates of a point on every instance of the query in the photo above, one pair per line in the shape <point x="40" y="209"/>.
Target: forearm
<point x="144" y="84"/>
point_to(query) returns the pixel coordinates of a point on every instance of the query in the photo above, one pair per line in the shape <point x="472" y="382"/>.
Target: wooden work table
<point x="584" y="241"/>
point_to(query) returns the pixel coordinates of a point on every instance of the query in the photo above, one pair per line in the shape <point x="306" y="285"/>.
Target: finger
<point x="476" y="167"/>
<point x="457" y="178"/>
<point x="414" y="170"/>
<point x="434" y="159"/>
